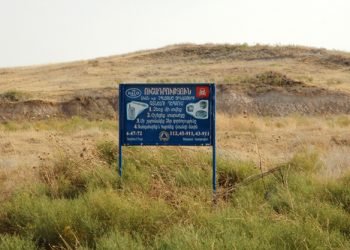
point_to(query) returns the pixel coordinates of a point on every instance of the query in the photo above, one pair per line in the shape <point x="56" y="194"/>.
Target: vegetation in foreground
<point x="164" y="201"/>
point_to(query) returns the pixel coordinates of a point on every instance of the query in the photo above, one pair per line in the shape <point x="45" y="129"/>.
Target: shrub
<point x="165" y="202"/>
<point x="306" y="161"/>
<point x="15" y="243"/>
<point x="272" y="78"/>
<point x="131" y="214"/>
<point x="118" y="240"/>
<point x="108" y="151"/>
<point x="338" y="192"/>
<point x="247" y="231"/>
<point x="329" y="217"/>
<point x="52" y="223"/>
<point x="343" y="121"/>
<point x="14" y="96"/>
<point x="70" y="176"/>
<point x="233" y="172"/>
<point x="64" y="179"/>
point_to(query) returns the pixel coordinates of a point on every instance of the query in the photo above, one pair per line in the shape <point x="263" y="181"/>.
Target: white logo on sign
<point x="202" y="92"/>
<point x="164" y="136"/>
<point x="133" y="93"/>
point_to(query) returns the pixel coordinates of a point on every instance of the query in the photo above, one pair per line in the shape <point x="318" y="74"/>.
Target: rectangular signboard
<point x="167" y="114"/>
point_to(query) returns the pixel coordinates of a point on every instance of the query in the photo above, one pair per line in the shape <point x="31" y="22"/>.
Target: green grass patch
<point x="343" y="121"/>
<point x="14" y="96"/>
<point x="62" y="125"/>
<point x="10" y="242"/>
<point x="164" y="201"/>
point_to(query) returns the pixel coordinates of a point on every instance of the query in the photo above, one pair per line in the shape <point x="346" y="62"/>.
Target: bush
<point x="165" y="202"/>
<point x="108" y="151"/>
<point x="64" y="179"/>
<point x="8" y="242"/>
<point x="329" y="217"/>
<point x="233" y="172"/>
<point x="306" y="161"/>
<point x="338" y="192"/>
<point x="58" y="222"/>
<point x="14" y="96"/>
<point x="343" y="121"/>
<point x="131" y="214"/>
<point x="247" y="231"/>
<point x="117" y="240"/>
<point x="69" y="176"/>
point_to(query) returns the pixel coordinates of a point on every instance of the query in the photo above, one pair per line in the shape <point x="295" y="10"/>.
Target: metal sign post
<point x="214" y="141"/>
<point x="120" y="160"/>
<point x="167" y="115"/>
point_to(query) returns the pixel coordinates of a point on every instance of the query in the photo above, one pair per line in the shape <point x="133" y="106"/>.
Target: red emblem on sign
<point x="202" y="92"/>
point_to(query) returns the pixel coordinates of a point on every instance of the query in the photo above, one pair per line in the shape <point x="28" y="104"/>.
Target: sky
<point x="48" y="31"/>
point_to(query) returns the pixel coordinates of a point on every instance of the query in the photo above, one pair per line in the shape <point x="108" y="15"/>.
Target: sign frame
<point x="135" y="92"/>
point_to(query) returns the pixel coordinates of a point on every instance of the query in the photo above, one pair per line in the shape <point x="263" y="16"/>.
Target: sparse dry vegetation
<point x="13" y="96"/>
<point x="59" y="187"/>
<point x="182" y="63"/>
<point x="164" y="201"/>
<point x="74" y="198"/>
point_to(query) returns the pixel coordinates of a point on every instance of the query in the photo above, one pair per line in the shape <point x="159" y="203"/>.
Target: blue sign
<point x="167" y="114"/>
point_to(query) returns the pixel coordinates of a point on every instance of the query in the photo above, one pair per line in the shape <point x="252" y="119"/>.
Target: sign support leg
<point x="214" y="173"/>
<point x="214" y="143"/>
<point x="120" y="160"/>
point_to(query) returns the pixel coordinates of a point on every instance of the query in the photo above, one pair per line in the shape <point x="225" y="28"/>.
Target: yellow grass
<point x="53" y="81"/>
<point x="54" y="156"/>
<point x="240" y="137"/>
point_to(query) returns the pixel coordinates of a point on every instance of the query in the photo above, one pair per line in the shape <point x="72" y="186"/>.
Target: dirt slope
<point x="274" y="102"/>
<point x="259" y="80"/>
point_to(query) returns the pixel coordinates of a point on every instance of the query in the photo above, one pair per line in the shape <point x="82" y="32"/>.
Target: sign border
<point x="121" y="117"/>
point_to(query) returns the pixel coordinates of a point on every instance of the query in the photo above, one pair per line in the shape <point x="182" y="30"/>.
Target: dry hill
<point x="259" y="80"/>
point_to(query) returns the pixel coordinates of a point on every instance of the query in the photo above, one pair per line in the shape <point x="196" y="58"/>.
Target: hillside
<point x="283" y="154"/>
<point x="259" y="80"/>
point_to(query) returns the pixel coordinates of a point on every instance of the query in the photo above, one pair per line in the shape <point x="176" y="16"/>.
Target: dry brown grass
<point x="34" y="154"/>
<point x="187" y="63"/>
<point x="240" y="137"/>
<point x="277" y="138"/>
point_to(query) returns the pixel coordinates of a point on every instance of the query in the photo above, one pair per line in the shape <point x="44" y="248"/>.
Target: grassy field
<point x="60" y="189"/>
<point x="239" y="137"/>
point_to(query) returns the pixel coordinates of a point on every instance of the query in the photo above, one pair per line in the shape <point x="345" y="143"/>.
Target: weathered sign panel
<point x="167" y="114"/>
